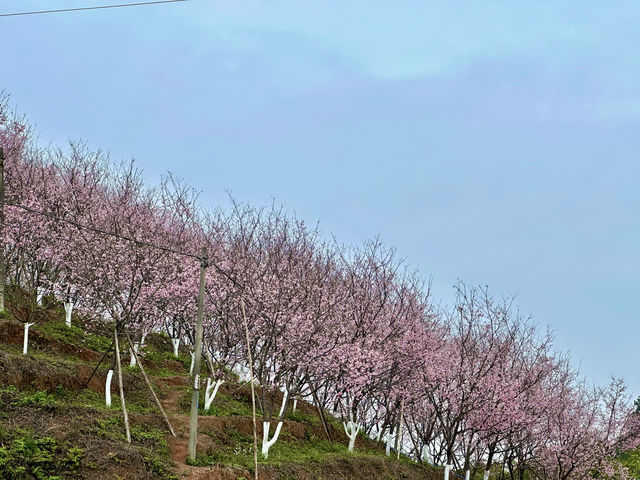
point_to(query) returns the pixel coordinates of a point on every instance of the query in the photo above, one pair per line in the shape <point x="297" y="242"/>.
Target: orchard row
<point x="352" y="330"/>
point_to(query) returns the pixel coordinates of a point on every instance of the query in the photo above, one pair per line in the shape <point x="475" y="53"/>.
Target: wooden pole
<point x="125" y="414"/>
<point x="195" y="396"/>
<point x="399" y="437"/>
<point x="253" y="393"/>
<point x="2" y="259"/>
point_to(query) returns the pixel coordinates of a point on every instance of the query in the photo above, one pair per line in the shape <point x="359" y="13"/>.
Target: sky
<point x="495" y="142"/>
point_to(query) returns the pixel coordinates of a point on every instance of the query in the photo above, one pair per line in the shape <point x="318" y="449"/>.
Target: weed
<point x="25" y="455"/>
<point x="206" y="459"/>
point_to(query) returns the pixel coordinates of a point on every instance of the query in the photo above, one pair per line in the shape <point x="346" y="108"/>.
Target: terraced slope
<point x="54" y="424"/>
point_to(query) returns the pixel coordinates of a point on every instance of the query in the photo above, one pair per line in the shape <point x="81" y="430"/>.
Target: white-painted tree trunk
<point x="39" y="295"/>
<point x="244" y="374"/>
<point x="132" y="360"/>
<point x="467" y="475"/>
<point x="107" y="388"/>
<point x="389" y="439"/>
<point x="211" y="392"/>
<point x="447" y="468"/>
<point x="283" y="405"/>
<point x="425" y="454"/>
<point x="25" y="345"/>
<point x="193" y="361"/>
<point x="295" y="404"/>
<point x="486" y="474"/>
<point x="351" y="428"/>
<point x="266" y="443"/>
<point x="176" y="344"/>
<point x="68" y="308"/>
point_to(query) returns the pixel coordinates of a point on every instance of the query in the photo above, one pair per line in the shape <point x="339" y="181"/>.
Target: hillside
<point x="53" y="424"/>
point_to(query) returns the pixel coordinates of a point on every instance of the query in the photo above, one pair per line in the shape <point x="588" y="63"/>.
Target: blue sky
<point x="494" y="142"/>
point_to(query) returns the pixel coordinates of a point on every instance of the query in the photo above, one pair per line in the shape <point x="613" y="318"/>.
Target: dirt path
<point x="179" y="445"/>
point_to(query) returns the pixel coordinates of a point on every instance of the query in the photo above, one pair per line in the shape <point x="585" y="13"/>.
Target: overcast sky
<point x="490" y="141"/>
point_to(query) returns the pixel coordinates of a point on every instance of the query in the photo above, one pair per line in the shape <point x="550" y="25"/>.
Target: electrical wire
<point x="207" y="261"/>
<point x="96" y="7"/>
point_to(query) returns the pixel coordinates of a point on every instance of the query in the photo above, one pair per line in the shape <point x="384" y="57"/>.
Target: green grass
<point x="236" y="449"/>
<point x="112" y="428"/>
<point x="62" y="399"/>
<point x="11" y="397"/>
<point x="74" y="335"/>
<point x="224" y="405"/>
<point x="166" y="360"/>
<point x="52" y="358"/>
<point x="302" y="417"/>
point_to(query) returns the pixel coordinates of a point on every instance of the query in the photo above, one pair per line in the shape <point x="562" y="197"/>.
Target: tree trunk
<point x="107" y="388"/>
<point x="447" y="468"/>
<point x="68" y="308"/>
<point x="323" y="419"/>
<point x="176" y="344"/>
<point x="399" y="437"/>
<point x="25" y="343"/>
<point x="266" y="442"/>
<point x="39" y="295"/>
<point x="351" y="429"/>
<point x="132" y="359"/>
<point x="389" y="439"/>
<point x="210" y="392"/>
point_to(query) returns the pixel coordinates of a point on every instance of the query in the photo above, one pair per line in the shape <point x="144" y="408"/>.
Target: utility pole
<point x="2" y="259"/>
<point x="193" y="419"/>
<point x="253" y="392"/>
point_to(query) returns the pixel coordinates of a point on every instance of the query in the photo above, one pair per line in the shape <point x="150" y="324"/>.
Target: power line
<point x="97" y="7"/>
<point x="98" y="230"/>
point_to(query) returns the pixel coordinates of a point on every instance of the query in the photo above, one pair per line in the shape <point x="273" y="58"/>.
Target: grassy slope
<point x="52" y="427"/>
